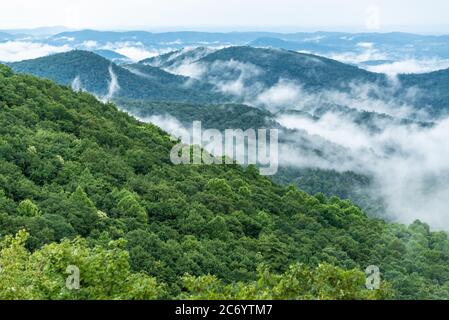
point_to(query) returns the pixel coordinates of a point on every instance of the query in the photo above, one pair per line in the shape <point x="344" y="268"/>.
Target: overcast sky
<point x="291" y="15"/>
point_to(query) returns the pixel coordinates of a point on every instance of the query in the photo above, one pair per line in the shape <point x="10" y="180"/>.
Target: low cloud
<point x="364" y="51"/>
<point x="90" y="44"/>
<point x="170" y="125"/>
<point x="368" y="57"/>
<point x="230" y="77"/>
<point x="409" y="163"/>
<point x="362" y="96"/>
<point x="410" y="66"/>
<point x="113" y="85"/>
<point x="242" y="80"/>
<point x="13" y="51"/>
<point x="76" y="84"/>
<point x="284" y="93"/>
<point x="191" y="70"/>
<point x="135" y="53"/>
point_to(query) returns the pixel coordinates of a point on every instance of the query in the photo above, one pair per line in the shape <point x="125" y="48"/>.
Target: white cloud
<point x="410" y="66"/>
<point x="409" y="164"/>
<point x="12" y="51"/>
<point x="367" y="53"/>
<point x="170" y="125"/>
<point x="233" y="77"/>
<point x="76" y="84"/>
<point x="192" y="70"/>
<point x="331" y="127"/>
<point x="136" y="53"/>
<point x="282" y="94"/>
<point x="90" y="44"/>
<point x="113" y="85"/>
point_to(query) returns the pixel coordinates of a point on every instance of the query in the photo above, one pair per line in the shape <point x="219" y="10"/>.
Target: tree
<point x="128" y="206"/>
<point x="82" y="213"/>
<point x="299" y="282"/>
<point x="104" y="273"/>
<point x="27" y="208"/>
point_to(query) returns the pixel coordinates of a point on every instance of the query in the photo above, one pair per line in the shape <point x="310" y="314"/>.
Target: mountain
<point x="346" y="46"/>
<point x="72" y="166"/>
<point x="277" y="43"/>
<point x="233" y="70"/>
<point x="313" y="72"/>
<point x="113" y="56"/>
<point x="6" y="36"/>
<point x="432" y="89"/>
<point x="395" y="45"/>
<point x="253" y="75"/>
<point x="171" y="39"/>
<point x="177" y="58"/>
<point x="98" y="75"/>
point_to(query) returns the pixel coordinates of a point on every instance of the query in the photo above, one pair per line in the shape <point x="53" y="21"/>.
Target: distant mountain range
<point x="337" y="40"/>
<point x="177" y="58"/>
<point x="112" y="56"/>
<point x="312" y="71"/>
<point x="392" y="53"/>
<point x="7" y="36"/>
<point x="93" y="73"/>
<point x="207" y="76"/>
<point x="392" y="46"/>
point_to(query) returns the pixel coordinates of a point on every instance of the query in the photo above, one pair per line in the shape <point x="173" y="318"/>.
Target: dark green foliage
<point x="221" y="117"/>
<point x="346" y="185"/>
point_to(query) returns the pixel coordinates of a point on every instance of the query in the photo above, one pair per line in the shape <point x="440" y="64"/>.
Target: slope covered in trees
<point x="95" y="74"/>
<point x="313" y="72"/>
<point x="71" y="167"/>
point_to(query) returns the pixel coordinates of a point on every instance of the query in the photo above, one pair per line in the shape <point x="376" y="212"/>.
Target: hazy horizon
<point x="48" y="30"/>
<point x="283" y="16"/>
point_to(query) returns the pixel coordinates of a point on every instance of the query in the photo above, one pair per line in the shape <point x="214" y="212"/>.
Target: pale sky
<point x="380" y="15"/>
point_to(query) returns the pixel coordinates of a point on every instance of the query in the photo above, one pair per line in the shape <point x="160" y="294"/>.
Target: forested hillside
<point x="345" y="185"/>
<point x="313" y="72"/>
<point x="93" y="73"/>
<point x="95" y="188"/>
<point x="160" y="91"/>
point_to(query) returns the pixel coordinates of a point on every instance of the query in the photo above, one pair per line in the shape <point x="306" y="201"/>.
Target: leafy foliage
<point x="299" y="282"/>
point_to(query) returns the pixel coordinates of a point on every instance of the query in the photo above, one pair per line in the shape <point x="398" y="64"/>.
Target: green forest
<point x="84" y="184"/>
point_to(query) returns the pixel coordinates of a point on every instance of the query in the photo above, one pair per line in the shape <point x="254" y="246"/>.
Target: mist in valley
<point x="407" y="161"/>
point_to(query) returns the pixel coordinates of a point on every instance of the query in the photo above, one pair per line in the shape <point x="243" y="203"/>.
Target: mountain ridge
<point x="94" y="74"/>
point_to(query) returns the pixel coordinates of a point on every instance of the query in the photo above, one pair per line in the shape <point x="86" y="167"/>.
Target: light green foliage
<point x="128" y="206"/>
<point x="299" y="282"/>
<point x="27" y="208"/>
<point x="104" y="272"/>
